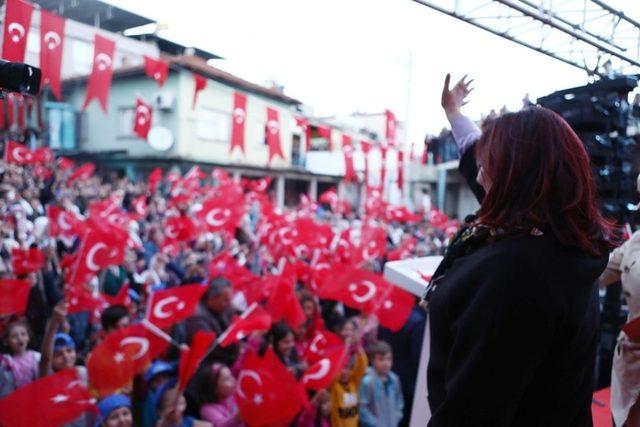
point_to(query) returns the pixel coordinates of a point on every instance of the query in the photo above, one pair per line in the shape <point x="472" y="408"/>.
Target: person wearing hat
<point x="115" y="411"/>
<point x="158" y="373"/>
<point x="59" y="349"/>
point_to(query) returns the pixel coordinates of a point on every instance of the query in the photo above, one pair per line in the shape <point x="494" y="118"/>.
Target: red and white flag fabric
<point x="199" y="83"/>
<point x="239" y="119"/>
<point x="121" y="298"/>
<point x="63" y="223"/>
<point x="401" y="214"/>
<point x="321" y="374"/>
<point x="365" y="146"/>
<point x="390" y="127"/>
<point x="400" y="180"/>
<point x="14" y="295"/>
<point x="139" y="205"/>
<point x="320" y="344"/>
<point x="170" y="306"/>
<point x="65" y="163"/>
<point x="51" y="50"/>
<point x="142" y="118"/>
<point x="82" y="172"/>
<point x="123" y="354"/>
<point x="25" y="261"/>
<point x="267" y="393"/>
<point x="190" y="358"/>
<point x="383" y="165"/>
<point x="350" y="174"/>
<point x="356" y="288"/>
<point x="179" y="229"/>
<point x="219" y="213"/>
<point x="154" y="179"/>
<point x="260" y="185"/>
<point x="254" y="319"/>
<point x="272" y="130"/>
<point x="43" y="155"/>
<point x="100" y="248"/>
<point x="394" y="307"/>
<point x="157" y="69"/>
<point x="325" y="132"/>
<point x="305" y="127"/>
<point x="17" y="22"/>
<point x="283" y="304"/>
<point x="17" y="153"/>
<point x="53" y="400"/>
<point x="99" y="83"/>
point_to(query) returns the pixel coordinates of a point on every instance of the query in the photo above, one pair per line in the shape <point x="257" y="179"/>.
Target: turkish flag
<point x="325" y="132"/>
<point x="383" y="166"/>
<point x="65" y="163"/>
<point x="394" y="308"/>
<point x="257" y="185"/>
<point x="63" y="223"/>
<point x="284" y="304"/>
<point x="102" y="209"/>
<point x="191" y="358"/>
<point x="17" y="22"/>
<point x="374" y="205"/>
<point x="100" y="79"/>
<point x="14" y="295"/>
<point x="25" y="261"/>
<point x="373" y="243"/>
<point x="200" y="83"/>
<point x="142" y="118"/>
<point x="222" y="213"/>
<point x="51" y="46"/>
<point x="330" y="197"/>
<point x="140" y="206"/>
<point x="356" y="288"/>
<point x="50" y="401"/>
<point x="121" y="298"/>
<point x="401" y="214"/>
<point x="43" y="155"/>
<point x="400" y="170"/>
<point x="123" y="354"/>
<point x="390" y="127"/>
<point x="101" y="248"/>
<point x="403" y="250"/>
<point x="350" y="174"/>
<point x="155" y="177"/>
<point x="17" y="153"/>
<point x="239" y="118"/>
<point x="83" y="172"/>
<point x="321" y="344"/>
<point x="179" y="229"/>
<point x="321" y="374"/>
<point x="272" y="131"/>
<point x="172" y="305"/>
<point x="305" y="126"/>
<point x="255" y="318"/>
<point x="267" y="392"/>
<point x="157" y="69"/>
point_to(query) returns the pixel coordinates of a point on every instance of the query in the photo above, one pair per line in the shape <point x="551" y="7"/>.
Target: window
<point x="63" y="125"/>
<point x="125" y="121"/>
<point x="82" y="54"/>
<point x="213" y="125"/>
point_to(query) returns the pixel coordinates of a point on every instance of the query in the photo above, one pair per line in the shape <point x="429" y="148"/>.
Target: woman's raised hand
<point x="454" y="99"/>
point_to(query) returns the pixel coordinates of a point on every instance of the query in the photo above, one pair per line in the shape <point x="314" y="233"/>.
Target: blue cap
<point x="159" y="394"/>
<point x="134" y="296"/>
<point x="158" y="367"/>
<point x="62" y="341"/>
<point x="110" y="403"/>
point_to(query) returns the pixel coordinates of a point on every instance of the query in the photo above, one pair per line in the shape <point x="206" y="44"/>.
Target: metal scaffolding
<point x="582" y="33"/>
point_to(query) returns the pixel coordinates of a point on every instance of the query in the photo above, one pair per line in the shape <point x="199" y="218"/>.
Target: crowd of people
<point x="241" y="259"/>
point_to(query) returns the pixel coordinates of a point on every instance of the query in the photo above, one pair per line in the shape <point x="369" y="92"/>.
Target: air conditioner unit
<point x="165" y="101"/>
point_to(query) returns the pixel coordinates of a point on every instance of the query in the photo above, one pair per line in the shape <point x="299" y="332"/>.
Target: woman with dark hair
<point x="513" y="307"/>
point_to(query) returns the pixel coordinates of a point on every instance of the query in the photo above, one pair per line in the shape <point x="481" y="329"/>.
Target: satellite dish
<point x="160" y="138"/>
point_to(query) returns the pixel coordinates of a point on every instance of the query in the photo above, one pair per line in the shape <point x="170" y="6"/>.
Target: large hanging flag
<point x="199" y="84"/>
<point x="400" y="170"/>
<point x="350" y="174"/>
<point x="157" y="69"/>
<point x="51" y="45"/>
<point x="239" y="118"/>
<point x="390" y="127"/>
<point x="273" y="134"/>
<point x="325" y="132"/>
<point x="365" y="146"/>
<point x="142" y="118"/>
<point x="102" y="72"/>
<point x="17" y="21"/>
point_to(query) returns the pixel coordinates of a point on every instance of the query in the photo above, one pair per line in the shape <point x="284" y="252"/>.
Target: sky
<point x="343" y="56"/>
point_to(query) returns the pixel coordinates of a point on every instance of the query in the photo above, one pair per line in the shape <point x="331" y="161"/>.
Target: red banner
<point x="383" y="167"/>
<point x="239" y="119"/>
<point x="51" y="45"/>
<point x="273" y="134"/>
<point x="350" y="174"/>
<point x="325" y="132"/>
<point x="304" y="125"/>
<point x="366" y="147"/>
<point x="157" y="69"/>
<point x="400" y="170"/>
<point x="142" y="118"/>
<point x="390" y="128"/>
<point x="16" y="29"/>
<point x="102" y="72"/>
<point x="199" y="84"/>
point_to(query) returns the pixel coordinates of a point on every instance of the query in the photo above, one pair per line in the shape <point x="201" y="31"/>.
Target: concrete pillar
<point x="313" y="189"/>
<point x="280" y="191"/>
<point x="442" y="188"/>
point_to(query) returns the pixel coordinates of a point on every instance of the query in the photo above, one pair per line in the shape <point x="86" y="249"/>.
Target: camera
<point x="18" y="77"/>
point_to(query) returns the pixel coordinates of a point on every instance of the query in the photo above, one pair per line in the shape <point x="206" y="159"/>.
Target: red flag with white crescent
<point x="320" y="344"/>
<point x="123" y="354"/>
<point x="191" y="358"/>
<point x="394" y="307"/>
<point x="63" y="223"/>
<point x="170" y="306"/>
<point x="82" y="172"/>
<point x="142" y="118"/>
<point x="51" y="48"/>
<point x="157" y="69"/>
<point x="239" y="118"/>
<point x="255" y="318"/>
<point x="43" y="155"/>
<point x="101" y="248"/>
<point x="17" y="22"/>
<point x="14" y="296"/>
<point x="54" y="400"/>
<point x="199" y="83"/>
<point x="321" y="374"/>
<point x="102" y="72"/>
<point x="25" y="261"/>
<point x="17" y="153"/>
<point x="356" y="288"/>
<point x="272" y="131"/>
<point x="390" y="127"/>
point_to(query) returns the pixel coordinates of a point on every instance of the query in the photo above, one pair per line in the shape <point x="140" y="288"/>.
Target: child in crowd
<point x="20" y="367"/>
<point x="214" y="387"/>
<point x="318" y="413"/>
<point x="170" y="406"/>
<point x="282" y="339"/>
<point x="115" y="411"/>
<point x="344" y="391"/>
<point x="381" y="402"/>
<point x="114" y="317"/>
<point x="158" y="373"/>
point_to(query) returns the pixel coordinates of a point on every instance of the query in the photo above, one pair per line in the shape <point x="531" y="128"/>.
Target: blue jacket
<point x="381" y="404"/>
